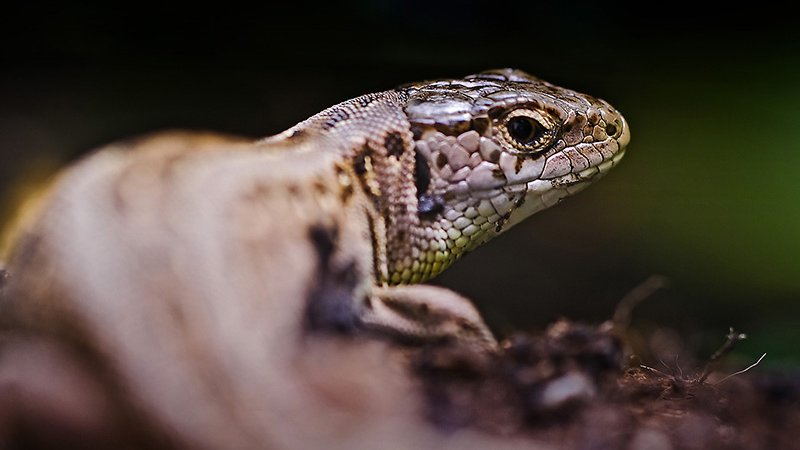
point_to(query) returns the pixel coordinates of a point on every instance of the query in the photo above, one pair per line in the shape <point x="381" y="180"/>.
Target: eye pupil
<point x="523" y="129"/>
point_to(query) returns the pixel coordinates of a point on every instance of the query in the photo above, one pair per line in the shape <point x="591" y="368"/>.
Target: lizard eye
<point x="528" y="130"/>
<point x="524" y="129"/>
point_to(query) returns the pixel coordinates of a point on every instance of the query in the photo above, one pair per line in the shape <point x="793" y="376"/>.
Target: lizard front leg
<point x="426" y="313"/>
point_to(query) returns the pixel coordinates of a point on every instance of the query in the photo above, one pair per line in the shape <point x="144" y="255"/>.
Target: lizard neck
<point x="374" y="138"/>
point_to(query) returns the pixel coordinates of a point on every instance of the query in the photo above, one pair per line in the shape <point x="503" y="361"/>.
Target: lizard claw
<point x="423" y="313"/>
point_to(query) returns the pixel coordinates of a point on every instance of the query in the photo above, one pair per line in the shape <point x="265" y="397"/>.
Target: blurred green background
<point x="708" y="194"/>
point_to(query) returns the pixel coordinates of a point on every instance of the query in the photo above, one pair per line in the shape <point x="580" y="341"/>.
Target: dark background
<point x="708" y="194"/>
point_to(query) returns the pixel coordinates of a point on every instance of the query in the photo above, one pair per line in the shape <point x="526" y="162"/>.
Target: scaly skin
<point x="182" y="269"/>
<point x="444" y="175"/>
<point x="478" y="181"/>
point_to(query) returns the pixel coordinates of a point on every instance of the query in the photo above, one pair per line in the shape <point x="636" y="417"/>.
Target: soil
<point x="577" y="386"/>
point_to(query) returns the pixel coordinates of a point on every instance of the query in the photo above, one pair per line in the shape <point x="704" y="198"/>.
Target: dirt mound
<point x="571" y="387"/>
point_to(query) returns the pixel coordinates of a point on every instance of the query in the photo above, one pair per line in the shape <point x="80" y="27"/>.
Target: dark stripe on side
<point x="330" y="302"/>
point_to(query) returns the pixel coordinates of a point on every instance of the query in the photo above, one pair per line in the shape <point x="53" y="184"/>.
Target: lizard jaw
<point x="542" y="194"/>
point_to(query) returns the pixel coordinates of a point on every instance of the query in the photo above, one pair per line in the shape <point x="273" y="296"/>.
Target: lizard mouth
<point x="574" y="180"/>
<point x="541" y="194"/>
<point x="588" y="174"/>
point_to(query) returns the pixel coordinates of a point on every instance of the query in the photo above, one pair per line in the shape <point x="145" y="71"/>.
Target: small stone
<point x="568" y="389"/>
<point x="650" y="439"/>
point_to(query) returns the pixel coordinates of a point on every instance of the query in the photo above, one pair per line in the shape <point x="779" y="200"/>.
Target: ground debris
<point x="569" y="386"/>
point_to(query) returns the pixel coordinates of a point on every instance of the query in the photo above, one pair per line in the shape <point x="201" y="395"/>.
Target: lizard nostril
<point x="611" y="130"/>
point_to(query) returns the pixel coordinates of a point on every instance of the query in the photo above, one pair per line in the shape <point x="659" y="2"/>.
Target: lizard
<point x="183" y="262"/>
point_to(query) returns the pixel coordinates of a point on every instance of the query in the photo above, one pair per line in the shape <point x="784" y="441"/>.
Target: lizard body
<point x="186" y="265"/>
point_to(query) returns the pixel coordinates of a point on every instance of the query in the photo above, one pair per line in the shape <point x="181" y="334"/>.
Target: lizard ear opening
<point x="428" y="206"/>
<point x="422" y="173"/>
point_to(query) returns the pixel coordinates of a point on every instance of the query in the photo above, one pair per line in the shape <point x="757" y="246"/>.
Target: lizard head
<point x="491" y="149"/>
<point x="450" y="164"/>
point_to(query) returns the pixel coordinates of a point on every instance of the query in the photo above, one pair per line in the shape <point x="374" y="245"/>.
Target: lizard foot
<point x="424" y="313"/>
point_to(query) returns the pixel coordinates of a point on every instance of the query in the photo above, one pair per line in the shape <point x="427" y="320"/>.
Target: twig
<point x="624" y="310"/>
<point x="743" y="370"/>
<point x="654" y="370"/>
<point x="730" y="341"/>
